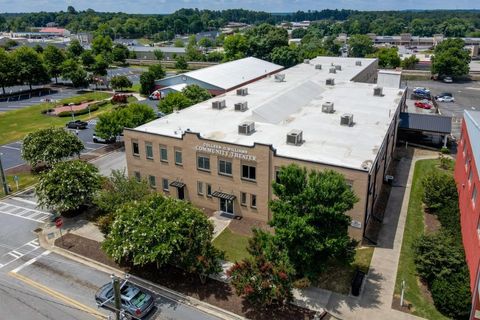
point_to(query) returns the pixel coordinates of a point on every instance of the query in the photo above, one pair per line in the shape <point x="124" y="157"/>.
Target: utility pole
<point x="2" y="176"/>
<point x="116" y="294"/>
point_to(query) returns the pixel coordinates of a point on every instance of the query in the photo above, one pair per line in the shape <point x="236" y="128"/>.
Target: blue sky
<point x="167" y="6"/>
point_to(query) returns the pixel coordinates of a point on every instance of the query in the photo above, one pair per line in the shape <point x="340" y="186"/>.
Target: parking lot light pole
<point x="3" y="177"/>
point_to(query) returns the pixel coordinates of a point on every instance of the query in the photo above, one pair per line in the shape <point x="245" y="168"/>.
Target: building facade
<point x="467" y="176"/>
<point x="201" y="154"/>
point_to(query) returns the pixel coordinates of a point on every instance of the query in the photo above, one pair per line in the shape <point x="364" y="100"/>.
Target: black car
<point x="77" y="124"/>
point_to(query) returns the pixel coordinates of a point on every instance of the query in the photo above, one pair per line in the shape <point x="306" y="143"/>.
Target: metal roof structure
<point x="426" y="122"/>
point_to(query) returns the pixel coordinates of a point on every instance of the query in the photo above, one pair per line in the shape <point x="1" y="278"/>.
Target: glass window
<point x="203" y="163"/>
<point x="253" y="200"/>
<point x="149" y="150"/>
<point x="249" y="172"/>
<point x="138" y="177"/>
<point x="200" y="188"/>
<point x="243" y="198"/>
<point x="277" y="176"/>
<point x="225" y="167"/>
<point x="165" y="185"/>
<point x="470" y="176"/>
<point x="163" y="153"/>
<point x="209" y="190"/>
<point x="136" y="150"/>
<point x="178" y="157"/>
<point x="152" y="181"/>
<point x="474" y="195"/>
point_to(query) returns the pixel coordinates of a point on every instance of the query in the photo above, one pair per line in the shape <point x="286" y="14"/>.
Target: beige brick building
<point x="223" y="154"/>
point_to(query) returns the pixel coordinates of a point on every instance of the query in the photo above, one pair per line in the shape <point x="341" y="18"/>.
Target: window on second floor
<point x="249" y="172"/>
<point x="203" y="163"/>
<point x="178" y="157"/>
<point x="163" y="154"/>
<point x="135" y="148"/>
<point x="148" y="150"/>
<point x="225" y="167"/>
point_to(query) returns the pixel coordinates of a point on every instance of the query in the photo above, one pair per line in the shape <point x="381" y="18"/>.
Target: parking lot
<point x="466" y="94"/>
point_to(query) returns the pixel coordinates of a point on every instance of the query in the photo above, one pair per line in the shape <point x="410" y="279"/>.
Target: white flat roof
<point x="279" y="107"/>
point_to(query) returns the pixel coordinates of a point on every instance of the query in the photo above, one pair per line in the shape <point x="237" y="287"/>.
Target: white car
<point x="448" y="80"/>
<point x="446" y="99"/>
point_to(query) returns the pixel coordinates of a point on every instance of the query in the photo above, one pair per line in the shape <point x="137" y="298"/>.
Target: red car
<point x="423" y="105"/>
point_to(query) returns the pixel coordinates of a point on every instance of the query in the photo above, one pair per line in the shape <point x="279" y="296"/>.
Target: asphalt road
<point x="38" y="284"/>
<point x="14" y="105"/>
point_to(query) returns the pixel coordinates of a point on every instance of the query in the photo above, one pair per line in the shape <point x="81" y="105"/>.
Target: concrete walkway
<point x="375" y="301"/>
<point x="220" y="223"/>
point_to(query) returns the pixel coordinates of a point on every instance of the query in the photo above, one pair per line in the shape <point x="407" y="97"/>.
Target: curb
<point x="164" y="291"/>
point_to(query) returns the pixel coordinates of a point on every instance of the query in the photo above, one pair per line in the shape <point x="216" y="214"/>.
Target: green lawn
<point x="25" y="180"/>
<point x="14" y="125"/>
<point x="414" y="228"/>
<point x="234" y="245"/>
<point x="134" y="88"/>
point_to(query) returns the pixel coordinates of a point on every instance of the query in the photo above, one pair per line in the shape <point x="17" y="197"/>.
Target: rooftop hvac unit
<point x="242" y="92"/>
<point x="346" y="119"/>
<point x="330" y="82"/>
<point x="307" y="61"/>
<point x="279" y="77"/>
<point x="220" y="104"/>
<point x="295" y="137"/>
<point x="246" y="128"/>
<point x="327" y="107"/>
<point x="318" y="66"/>
<point x="332" y="70"/>
<point x="358" y="63"/>
<point x="378" y="91"/>
<point x="241" y="106"/>
<point x="338" y="67"/>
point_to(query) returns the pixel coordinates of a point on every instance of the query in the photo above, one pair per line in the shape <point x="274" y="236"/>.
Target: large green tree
<point x="120" y="53"/>
<point x="360" y="46"/>
<point x="174" y="101"/>
<point x="74" y="49"/>
<point x="181" y="63"/>
<point x="196" y="93"/>
<point x="284" y="56"/>
<point x="147" y="79"/>
<point x="8" y="74"/>
<point x="30" y="67"/>
<point x="50" y="146"/>
<point x="310" y="220"/>
<point x="102" y="45"/>
<point x="263" y="38"/>
<point x="450" y="58"/>
<point x="387" y="58"/>
<point x="72" y="70"/>
<point x="68" y="186"/>
<point x="120" y="82"/>
<point x="235" y="46"/>
<point x="53" y="58"/>
<point x="162" y="230"/>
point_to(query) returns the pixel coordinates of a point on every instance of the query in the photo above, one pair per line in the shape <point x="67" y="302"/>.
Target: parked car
<point x="155" y="95"/>
<point x="444" y="94"/>
<point x="446" y="99"/>
<point x="423" y="105"/>
<point x="135" y="302"/>
<point x="98" y="139"/>
<point x="421" y="90"/>
<point x="448" y="80"/>
<point x="77" y="124"/>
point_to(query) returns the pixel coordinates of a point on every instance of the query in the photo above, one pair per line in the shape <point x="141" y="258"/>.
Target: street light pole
<point x="2" y="174"/>
<point x="116" y="293"/>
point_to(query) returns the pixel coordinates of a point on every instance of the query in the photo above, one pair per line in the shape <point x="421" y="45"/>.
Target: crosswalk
<point x="19" y="252"/>
<point x="24" y="213"/>
<point x="92" y="122"/>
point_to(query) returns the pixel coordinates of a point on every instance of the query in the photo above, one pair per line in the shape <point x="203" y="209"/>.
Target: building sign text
<point x="225" y="151"/>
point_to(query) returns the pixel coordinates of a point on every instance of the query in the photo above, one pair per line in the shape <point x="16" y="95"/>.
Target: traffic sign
<point x="59" y="222"/>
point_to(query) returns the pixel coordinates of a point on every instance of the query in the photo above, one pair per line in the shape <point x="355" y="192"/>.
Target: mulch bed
<point x="213" y="292"/>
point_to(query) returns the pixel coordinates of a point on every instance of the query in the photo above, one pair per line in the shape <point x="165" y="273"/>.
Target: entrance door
<point x="226" y="206"/>
<point x="181" y="193"/>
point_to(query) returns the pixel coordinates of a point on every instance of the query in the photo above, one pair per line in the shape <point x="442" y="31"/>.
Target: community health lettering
<point x="225" y="151"/>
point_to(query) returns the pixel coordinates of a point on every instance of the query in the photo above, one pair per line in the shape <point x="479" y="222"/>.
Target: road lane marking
<point x="29" y="262"/>
<point x="94" y="313"/>
<point x="23" y="200"/>
<point x="13" y="148"/>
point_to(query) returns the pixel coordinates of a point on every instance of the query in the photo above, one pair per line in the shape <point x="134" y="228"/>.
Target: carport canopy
<point x="431" y="123"/>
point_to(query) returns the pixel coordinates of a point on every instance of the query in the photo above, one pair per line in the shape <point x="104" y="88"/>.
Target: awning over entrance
<point x="222" y="195"/>
<point x="177" y="184"/>
<point x="432" y="123"/>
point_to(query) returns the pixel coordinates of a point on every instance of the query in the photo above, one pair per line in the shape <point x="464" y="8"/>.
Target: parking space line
<point x="29" y="262"/>
<point x="9" y="147"/>
<point x="23" y="200"/>
<point x="16" y="215"/>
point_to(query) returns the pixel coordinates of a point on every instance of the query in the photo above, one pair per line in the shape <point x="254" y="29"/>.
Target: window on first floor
<point x="163" y="154"/>
<point x="209" y="190"/>
<point x="137" y="175"/>
<point x="249" y="172"/>
<point x="135" y="148"/>
<point x="152" y="181"/>
<point x="165" y="185"/>
<point x="225" y="167"/>
<point x="149" y="150"/>
<point x="253" y="200"/>
<point x="243" y="198"/>
<point x="200" y="188"/>
<point x="203" y="163"/>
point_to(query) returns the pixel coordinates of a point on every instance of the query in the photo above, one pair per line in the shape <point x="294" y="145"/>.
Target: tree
<point x="50" y="146"/>
<point x="100" y="66"/>
<point x="360" y="45"/>
<point x="205" y="43"/>
<point x="235" y="46"/>
<point x="163" y="230"/>
<point x="196" y="93"/>
<point x="75" y="49"/>
<point x="157" y="71"/>
<point x="87" y="58"/>
<point x="72" y="70"/>
<point x="298" y="33"/>
<point x="159" y="55"/>
<point x="120" y="82"/>
<point x="410" y="62"/>
<point x="267" y="277"/>
<point x="68" y="186"/>
<point x="284" y="56"/>
<point x="181" y="63"/>
<point x="7" y="70"/>
<point x="102" y="45"/>
<point x="30" y="68"/>
<point x="450" y="58"/>
<point x="439" y="189"/>
<point x="179" y="43"/>
<point x="309" y="217"/>
<point x="147" y="83"/>
<point x="263" y="38"/>
<point x="387" y="58"/>
<point x="174" y="101"/>
<point x="53" y="58"/>
<point x="120" y="53"/>
<point x="451" y="294"/>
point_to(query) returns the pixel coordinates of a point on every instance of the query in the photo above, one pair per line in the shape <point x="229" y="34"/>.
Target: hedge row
<point x="93" y="107"/>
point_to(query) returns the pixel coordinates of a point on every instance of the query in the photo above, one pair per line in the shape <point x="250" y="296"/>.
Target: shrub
<point x="105" y="222"/>
<point x="449" y="217"/>
<point x="439" y="189"/>
<point x="451" y="294"/>
<point x="119" y="98"/>
<point x="93" y="108"/>
<point x="445" y="162"/>
<point x="445" y="150"/>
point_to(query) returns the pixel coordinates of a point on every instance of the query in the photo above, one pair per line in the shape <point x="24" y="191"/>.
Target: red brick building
<point x="467" y="176"/>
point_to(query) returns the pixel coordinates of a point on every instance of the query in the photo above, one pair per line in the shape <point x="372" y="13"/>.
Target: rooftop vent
<point x="307" y="61"/>
<point x="330" y="82"/>
<point x="246" y="128"/>
<point x="327" y="107"/>
<point x="346" y="119"/>
<point x="219" y="104"/>
<point x="338" y="67"/>
<point x="332" y="70"/>
<point x="358" y="63"/>
<point x="318" y="66"/>
<point x="280" y="77"/>
<point x="295" y="137"/>
<point x="241" y="106"/>
<point x="242" y="92"/>
<point x="378" y="91"/>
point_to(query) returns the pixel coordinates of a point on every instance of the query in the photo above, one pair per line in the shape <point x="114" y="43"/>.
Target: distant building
<point x="220" y="78"/>
<point x="54" y="31"/>
<point x="467" y="176"/>
<point x="147" y="52"/>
